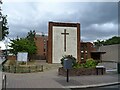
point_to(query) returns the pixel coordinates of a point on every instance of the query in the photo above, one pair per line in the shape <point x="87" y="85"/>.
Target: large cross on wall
<point x="63" y="39"/>
<point x="65" y="33"/>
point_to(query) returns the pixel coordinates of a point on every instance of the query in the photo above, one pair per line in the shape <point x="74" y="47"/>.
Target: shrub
<point x="12" y="62"/>
<point x="90" y="63"/>
<point x="22" y="63"/>
<point x="69" y="57"/>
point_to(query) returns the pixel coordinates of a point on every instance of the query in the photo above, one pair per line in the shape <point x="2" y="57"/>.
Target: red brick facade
<point x="86" y="48"/>
<point x="41" y="43"/>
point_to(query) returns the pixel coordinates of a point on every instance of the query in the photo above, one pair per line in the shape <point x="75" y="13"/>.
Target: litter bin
<point x="67" y="64"/>
<point x="118" y="67"/>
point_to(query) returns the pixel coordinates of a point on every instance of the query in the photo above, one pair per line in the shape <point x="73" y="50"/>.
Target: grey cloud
<point x="35" y="16"/>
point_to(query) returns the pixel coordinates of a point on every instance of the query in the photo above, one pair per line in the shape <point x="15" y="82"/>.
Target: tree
<point x="26" y="44"/>
<point x="4" y="27"/>
<point x="31" y="35"/>
<point x="110" y="41"/>
<point x="98" y="43"/>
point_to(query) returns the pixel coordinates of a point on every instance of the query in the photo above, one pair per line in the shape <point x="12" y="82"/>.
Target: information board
<point x="22" y="56"/>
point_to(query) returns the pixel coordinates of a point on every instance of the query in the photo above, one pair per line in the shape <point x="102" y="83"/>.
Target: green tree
<point x="4" y="27"/>
<point x="0" y="10"/>
<point x="26" y="44"/>
<point x="113" y="40"/>
<point x="110" y="41"/>
<point x="31" y="35"/>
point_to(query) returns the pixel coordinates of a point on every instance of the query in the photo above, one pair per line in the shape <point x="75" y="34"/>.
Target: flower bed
<point x="81" y="71"/>
<point x="81" y="68"/>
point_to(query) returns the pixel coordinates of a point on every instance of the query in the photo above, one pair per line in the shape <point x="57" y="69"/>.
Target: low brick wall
<point x="81" y="71"/>
<point x="11" y="57"/>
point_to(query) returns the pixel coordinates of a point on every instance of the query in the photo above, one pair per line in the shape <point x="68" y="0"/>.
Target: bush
<point x="90" y="63"/>
<point x="12" y="62"/>
<point x="69" y="57"/>
<point x="22" y="63"/>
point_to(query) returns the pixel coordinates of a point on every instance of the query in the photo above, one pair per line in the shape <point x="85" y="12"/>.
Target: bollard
<point x="14" y="69"/>
<point x="118" y="67"/>
<point x="3" y="68"/>
<point x="4" y="79"/>
<point x="29" y="69"/>
<point x="41" y="68"/>
<point x="36" y="68"/>
<point x="8" y="68"/>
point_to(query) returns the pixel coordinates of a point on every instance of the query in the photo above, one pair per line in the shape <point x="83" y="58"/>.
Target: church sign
<point x="22" y="56"/>
<point x="63" y="39"/>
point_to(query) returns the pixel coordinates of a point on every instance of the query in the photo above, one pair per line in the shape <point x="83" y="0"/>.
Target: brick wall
<point x="86" y="48"/>
<point x="41" y="43"/>
<point x="11" y="57"/>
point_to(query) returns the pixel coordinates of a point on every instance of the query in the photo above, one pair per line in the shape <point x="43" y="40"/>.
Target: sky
<point x="98" y="20"/>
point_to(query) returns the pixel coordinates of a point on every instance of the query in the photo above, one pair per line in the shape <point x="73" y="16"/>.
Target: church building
<point x="63" y="39"/>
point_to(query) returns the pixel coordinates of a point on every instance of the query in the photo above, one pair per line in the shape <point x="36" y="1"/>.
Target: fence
<point x="23" y="69"/>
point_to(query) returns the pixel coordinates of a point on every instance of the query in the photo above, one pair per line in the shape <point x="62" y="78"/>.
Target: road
<point x="111" y="87"/>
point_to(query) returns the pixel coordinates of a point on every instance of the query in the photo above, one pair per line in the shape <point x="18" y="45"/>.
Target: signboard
<point x="0" y="30"/>
<point x="22" y="56"/>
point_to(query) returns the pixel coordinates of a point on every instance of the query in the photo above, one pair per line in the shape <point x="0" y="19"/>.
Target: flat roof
<point x="98" y="52"/>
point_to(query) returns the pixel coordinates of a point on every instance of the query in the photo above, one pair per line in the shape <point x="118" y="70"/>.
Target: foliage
<point x="4" y="27"/>
<point x="69" y="57"/>
<point x="30" y="36"/>
<point x="90" y="63"/>
<point x="12" y="62"/>
<point x="0" y="11"/>
<point x="24" y="45"/>
<point x="21" y="63"/>
<point x="110" y="41"/>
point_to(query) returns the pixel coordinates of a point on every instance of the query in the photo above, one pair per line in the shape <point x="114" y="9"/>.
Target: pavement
<point x="50" y="79"/>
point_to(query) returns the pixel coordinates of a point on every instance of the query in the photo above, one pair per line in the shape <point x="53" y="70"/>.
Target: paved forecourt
<point x="51" y="79"/>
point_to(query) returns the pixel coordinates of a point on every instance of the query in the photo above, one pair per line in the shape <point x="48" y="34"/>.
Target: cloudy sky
<point x="99" y="20"/>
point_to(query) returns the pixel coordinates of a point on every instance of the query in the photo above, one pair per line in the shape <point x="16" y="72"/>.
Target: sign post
<point x="67" y="64"/>
<point x="67" y="75"/>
